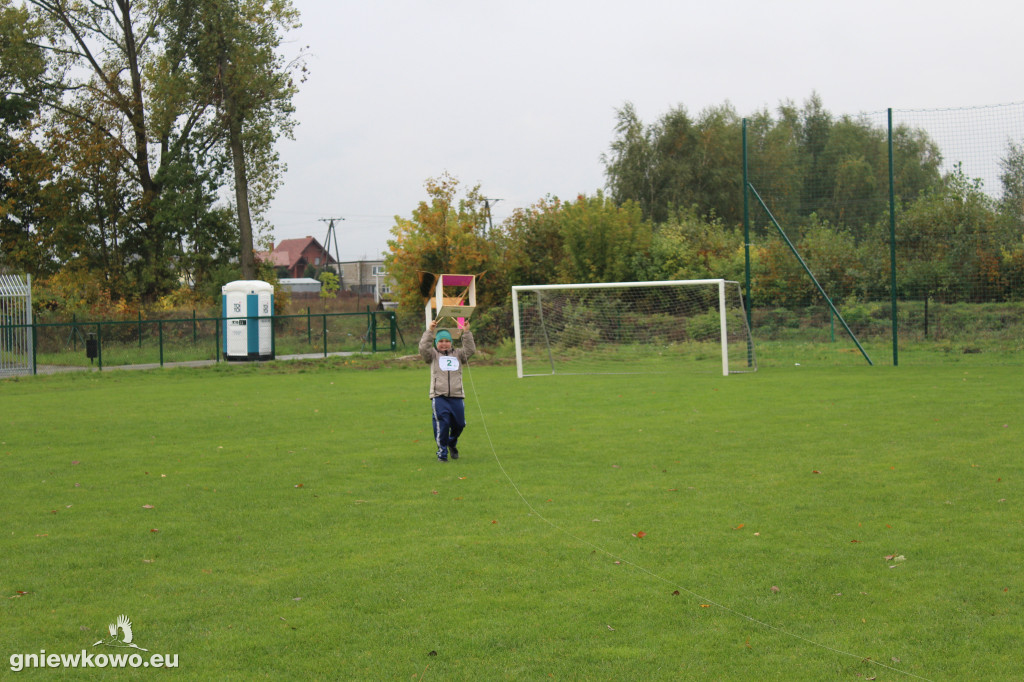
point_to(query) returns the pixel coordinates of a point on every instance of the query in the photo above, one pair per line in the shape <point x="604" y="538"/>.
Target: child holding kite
<point x="447" y="397"/>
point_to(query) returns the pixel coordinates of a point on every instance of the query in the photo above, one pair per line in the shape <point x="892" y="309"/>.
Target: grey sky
<point x="520" y="97"/>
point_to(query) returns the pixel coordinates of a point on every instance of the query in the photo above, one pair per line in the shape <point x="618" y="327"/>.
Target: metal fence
<point x="16" y="346"/>
<point x="77" y="345"/>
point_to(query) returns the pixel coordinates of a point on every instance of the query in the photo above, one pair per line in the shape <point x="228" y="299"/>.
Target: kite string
<point x="534" y="511"/>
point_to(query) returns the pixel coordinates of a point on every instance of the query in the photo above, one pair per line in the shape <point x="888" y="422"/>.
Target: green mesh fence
<point x="957" y="183"/>
<point x="67" y="346"/>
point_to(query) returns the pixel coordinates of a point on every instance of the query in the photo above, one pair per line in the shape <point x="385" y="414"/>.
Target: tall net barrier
<point x="631" y="328"/>
<point x="957" y="181"/>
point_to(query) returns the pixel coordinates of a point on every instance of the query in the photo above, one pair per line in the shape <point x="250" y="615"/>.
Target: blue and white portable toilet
<point x="248" y="312"/>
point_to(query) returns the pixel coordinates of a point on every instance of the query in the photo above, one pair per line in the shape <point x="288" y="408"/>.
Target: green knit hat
<point x="442" y="335"/>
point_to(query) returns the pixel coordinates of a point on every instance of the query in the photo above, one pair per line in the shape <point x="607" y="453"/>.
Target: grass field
<point x="289" y="521"/>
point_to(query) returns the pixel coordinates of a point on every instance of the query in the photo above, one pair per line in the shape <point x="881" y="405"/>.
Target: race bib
<point x="449" y="363"/>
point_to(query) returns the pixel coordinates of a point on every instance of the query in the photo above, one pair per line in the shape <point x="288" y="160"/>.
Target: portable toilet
<point x="248" y="318"/>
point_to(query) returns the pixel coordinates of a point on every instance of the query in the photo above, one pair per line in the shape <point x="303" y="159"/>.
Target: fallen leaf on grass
<point x="148" y="506"/>
<point x="639" y="534"/>
<point x="775" y="588"/>
<point x="154" y="530"/>
<point x="298" y="485"/>
<point x="610" y="628"/>
<point x="739" y="526"/>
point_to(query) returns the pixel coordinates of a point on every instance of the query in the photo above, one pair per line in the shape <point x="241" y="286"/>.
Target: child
<point x="446" y="395"/>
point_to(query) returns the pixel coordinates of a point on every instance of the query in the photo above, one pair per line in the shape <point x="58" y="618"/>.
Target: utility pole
<point x="487" y="207"/>
<point x="331" y="234"/>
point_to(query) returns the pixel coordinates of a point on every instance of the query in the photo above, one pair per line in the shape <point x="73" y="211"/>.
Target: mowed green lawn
<point x="290" y="522"/>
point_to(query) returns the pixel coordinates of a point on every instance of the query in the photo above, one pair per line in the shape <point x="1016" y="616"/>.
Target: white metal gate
<point x="15" y="325"/>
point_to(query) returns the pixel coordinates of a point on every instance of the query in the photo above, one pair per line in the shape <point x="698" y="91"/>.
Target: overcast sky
<point x="520" y="97"/>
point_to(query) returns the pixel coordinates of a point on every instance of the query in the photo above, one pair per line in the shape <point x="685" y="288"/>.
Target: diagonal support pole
<point x="810" y="274"/>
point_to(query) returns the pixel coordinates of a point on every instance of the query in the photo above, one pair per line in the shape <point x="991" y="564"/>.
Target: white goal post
<point x="630" y="327"/>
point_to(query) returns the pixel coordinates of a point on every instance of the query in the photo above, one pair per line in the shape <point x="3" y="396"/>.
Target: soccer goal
<point x="631" y="328"/>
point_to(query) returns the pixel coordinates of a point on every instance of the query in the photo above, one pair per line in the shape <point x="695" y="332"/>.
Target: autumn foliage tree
<point x="445" y="234"/>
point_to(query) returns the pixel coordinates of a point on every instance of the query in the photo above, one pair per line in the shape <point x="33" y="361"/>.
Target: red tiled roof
<point x="288" y="252"/>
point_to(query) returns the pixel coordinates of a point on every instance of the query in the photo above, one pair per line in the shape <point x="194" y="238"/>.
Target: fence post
<point x="309" y="328"/>
<point x="99" y="345"/>
<point x="160" y="333"/>
<point x="325" y="334"/>
<point x="373" y="330"/>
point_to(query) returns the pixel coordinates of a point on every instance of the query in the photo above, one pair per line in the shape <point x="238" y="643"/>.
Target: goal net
<point x="631" y="328"/>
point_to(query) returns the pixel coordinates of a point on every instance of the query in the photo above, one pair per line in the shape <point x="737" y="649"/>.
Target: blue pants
<point x="449" y="419"/>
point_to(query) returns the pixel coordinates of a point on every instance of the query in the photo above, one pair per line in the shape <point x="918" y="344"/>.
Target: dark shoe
<point x="454" y="451"/>
<point x="442" y="456"/>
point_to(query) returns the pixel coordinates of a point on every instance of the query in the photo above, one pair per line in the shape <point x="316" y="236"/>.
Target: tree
<point x="21" y="64"/>
<point x="199" y="80"/>
<point x="601" y="240"/>
<point x="329" y="286"/>
<point x="445" y="234"/>
<point x="529" y="244"/>
<point x="950" y="244"/>
<point x="1012" y="179"/>
<point x="688" y="246"/>
<point x="225" y="53"/>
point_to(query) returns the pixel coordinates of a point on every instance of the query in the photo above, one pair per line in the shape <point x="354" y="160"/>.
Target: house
<point x="366" y="278"/>
<point x="295" y="255"/>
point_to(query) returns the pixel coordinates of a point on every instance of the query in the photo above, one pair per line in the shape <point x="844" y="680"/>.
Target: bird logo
<point x="125" y="626"/>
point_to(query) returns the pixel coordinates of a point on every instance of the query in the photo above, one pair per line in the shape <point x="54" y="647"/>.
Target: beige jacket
<point x="446" y="382"/>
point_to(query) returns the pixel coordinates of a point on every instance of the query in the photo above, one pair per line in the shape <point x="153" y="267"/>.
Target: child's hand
<point x="433" y="325"/>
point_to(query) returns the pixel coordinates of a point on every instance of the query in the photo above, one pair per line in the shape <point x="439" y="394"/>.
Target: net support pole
<point x="724" y="327"/>
<point x="746" y="234"/>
